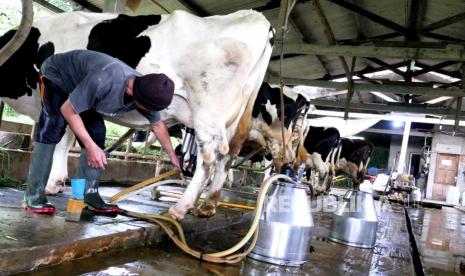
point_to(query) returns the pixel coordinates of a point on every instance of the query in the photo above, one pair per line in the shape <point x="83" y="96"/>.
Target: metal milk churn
<point x="355" y="221"/>
<point x="286" y="224"/>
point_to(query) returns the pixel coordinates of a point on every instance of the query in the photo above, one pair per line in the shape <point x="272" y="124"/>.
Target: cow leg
<point x="208" y="209"/>
<point x="188" y="199"/>
<point x="59" y="172"/>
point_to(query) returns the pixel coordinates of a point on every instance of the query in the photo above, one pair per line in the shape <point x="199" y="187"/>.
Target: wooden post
<point x="403" y="149"/>
<point x="458" y="109"/>
<point x="128" y="149"/>
<point x="2" y="107"/>
<point x="33" y="136"/>
<point x="158" y="167"/>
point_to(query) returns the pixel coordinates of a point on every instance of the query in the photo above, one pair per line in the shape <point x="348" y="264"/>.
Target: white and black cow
<point x="265" y="137"/>
<point x="315" y="152"/>
<point x="217" y="64"/>
<point x="266" y="122"/>
<point x="353" y="158"/>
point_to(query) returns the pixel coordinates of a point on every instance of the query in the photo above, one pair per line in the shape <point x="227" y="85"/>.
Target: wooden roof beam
<point x="454" y="74"/>
<point x="449" y="53"/>
<point x="367" y="70"/>
<point x="417" y="14"/>
<point x="443" y="23"/>
<point x="372" y="16"/>
<point x="442" y="37"/>
<point x="332" y="41"/>
<point x="272" y="4"/>
<point x="388" y="107"/>
<point x="433" y="68"/>
<point x="389" y="88"/>
<point x="387" y="66"/>
<point x="194" y="7"/>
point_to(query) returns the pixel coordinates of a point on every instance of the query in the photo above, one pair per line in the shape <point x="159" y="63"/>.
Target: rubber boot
<point x="92" y="197"/>
<point x="39" y="171"/>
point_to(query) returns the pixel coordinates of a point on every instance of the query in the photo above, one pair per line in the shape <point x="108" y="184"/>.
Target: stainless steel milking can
<point x="285" y="228"/>
<point x="355" y="221"/>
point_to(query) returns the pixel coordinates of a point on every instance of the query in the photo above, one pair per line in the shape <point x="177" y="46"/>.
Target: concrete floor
<point x="29" y="241"/>
<point x="439" y="235"/>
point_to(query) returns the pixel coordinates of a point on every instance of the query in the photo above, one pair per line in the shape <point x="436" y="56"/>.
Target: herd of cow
<point x="218" y="64"/>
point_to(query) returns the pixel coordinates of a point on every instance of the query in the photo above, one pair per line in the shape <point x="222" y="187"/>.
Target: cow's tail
<point x="339" y="150"/>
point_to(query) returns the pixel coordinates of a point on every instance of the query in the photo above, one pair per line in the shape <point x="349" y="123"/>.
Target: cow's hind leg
<point x="188" y="199"/>
<point x="208" y="209"/>
<point x="59" y="172"/>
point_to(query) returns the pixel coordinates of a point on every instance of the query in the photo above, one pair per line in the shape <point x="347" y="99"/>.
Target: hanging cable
<point x="284" y="28"/>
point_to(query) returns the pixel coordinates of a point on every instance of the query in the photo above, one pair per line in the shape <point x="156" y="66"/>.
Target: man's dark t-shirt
<point x="94" y="81"/>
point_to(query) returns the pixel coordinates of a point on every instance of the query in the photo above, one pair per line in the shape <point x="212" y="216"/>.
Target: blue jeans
<point x="52" y="124"/>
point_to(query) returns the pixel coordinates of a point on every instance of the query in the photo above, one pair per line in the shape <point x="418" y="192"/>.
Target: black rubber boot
<point x="39" y="171"/>
<point x="91" y="195"/>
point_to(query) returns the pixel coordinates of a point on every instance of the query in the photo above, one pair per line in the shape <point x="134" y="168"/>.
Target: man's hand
<point x="96" y="157"/>
<point x="161" y="132"/>
<point x="175" y="161"/>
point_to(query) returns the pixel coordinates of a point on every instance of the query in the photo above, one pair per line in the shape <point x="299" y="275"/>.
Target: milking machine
<point x="189" y="146"/>
<point x="355" y="221"/>
<point x="280" y="232"/>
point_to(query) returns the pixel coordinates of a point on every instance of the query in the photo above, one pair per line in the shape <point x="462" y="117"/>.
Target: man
<point x="79" y="88"/>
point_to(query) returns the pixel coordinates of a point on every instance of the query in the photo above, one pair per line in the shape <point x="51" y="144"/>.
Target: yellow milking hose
<point x="218" y="257"/>
<point x="142" y="184"/>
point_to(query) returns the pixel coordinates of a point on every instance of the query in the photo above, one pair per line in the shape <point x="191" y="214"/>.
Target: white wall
<point x="414" y="146"/>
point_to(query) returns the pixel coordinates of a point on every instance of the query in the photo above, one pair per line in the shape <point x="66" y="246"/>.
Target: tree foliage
<point x="10" y="12"/>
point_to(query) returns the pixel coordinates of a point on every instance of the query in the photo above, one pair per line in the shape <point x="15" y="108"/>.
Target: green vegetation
<point x="10" y="12"/>
<point x="62" y="4"/>
<point x="10" y="115"/>
<point x="379" y="158"/>
<point x="5" y="180"/>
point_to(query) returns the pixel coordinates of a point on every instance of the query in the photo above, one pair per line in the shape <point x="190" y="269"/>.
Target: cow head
<point x="267" y="122"/>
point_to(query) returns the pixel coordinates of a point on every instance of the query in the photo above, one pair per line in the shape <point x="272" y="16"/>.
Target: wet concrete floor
<point x="29" y="241"/>
<point x="390" y="256"/>
<point x="440" y="235"/>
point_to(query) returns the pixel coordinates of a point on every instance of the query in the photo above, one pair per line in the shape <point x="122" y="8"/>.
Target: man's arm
<point x="161" y="132"/>
<point x="95" y="156"/>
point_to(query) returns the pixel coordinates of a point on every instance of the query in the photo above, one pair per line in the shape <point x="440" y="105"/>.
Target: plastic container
<point x="453" y="195"/>
<point x="78" y="185"/>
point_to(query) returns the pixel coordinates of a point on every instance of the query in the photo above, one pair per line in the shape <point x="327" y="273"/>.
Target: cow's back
<point x="321" y="140"/>
<point x="356" y="150"/>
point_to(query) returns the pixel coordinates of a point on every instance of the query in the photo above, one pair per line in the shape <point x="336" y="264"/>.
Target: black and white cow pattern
<point x="315" y="152"/>
<point x="217" y="64"/>
<point x="353" y="158"/>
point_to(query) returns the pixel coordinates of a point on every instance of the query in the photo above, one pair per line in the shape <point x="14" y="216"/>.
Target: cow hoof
<point x="224" y="148"/>
<point x="54" y="189"/>
<point x="178" y="212"/>
<point x="206" y="211"/>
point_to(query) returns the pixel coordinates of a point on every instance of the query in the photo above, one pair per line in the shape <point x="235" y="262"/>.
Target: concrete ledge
<point x="29" y="241"/>
<point x="15" y="127"/>
<point x="120" y="170"/>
